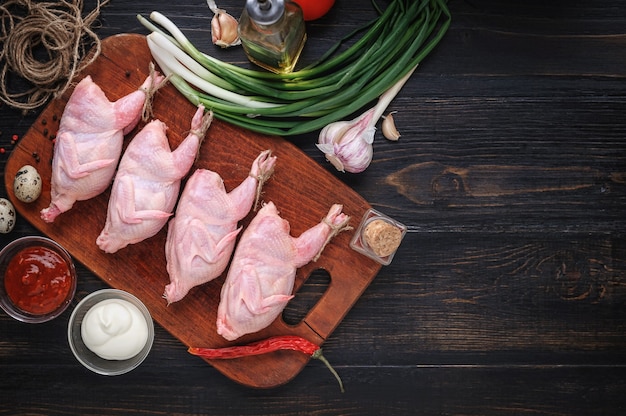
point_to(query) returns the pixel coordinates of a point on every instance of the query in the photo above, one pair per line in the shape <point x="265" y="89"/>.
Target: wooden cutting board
<point x="302" y="190"/>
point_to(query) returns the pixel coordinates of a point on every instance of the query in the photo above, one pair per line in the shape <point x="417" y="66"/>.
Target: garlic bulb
<point x="347" y="145"/>
<point x="223" y="27"/>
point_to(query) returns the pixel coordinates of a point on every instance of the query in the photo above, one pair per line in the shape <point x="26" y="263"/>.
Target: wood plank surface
<point x="302" y="191"/>
<point x="507" y="295"/>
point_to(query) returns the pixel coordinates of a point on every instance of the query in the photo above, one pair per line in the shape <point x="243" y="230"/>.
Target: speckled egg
<point x="27" y="184"/>
<point x="7" y="216"/>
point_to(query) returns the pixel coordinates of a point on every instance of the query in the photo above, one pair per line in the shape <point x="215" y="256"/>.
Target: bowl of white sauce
<point x="110" y="332"/>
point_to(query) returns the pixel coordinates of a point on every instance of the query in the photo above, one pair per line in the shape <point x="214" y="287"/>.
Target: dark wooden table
<point x="508" y="294"/>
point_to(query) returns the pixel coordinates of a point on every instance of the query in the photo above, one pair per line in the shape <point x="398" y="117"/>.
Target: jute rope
<point x="43" y="43"/>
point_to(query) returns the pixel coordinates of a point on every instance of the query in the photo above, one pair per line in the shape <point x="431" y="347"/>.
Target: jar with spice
<point x="378" y="236"/>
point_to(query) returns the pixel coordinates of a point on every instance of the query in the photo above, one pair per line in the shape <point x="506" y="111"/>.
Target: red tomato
<point x="314" y="9"/>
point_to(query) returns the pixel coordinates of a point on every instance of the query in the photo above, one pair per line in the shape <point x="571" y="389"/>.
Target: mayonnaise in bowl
<point x="110" y="332"/>
<point x="114" y="329"/>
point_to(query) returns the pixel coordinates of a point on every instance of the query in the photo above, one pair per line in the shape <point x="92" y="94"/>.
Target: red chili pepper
<point x="284" y="342"/>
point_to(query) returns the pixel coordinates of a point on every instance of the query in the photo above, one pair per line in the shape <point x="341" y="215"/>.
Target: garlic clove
<point x="223" y="27"/>
<point x="329" y="152"/>
<point x="389" y="127"/>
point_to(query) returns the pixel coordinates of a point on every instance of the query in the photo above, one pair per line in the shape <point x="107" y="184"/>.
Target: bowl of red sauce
<point x="38" y="279"/>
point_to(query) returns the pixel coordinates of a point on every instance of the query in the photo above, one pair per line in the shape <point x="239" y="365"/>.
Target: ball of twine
<point x="43" y="43"/>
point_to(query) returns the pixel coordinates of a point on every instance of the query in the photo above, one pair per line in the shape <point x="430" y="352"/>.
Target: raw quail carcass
<point x="147" y="183"/>
<point x="261" y="276"/>
<point x="201" y="237"/>
<point x="89" y="142"/>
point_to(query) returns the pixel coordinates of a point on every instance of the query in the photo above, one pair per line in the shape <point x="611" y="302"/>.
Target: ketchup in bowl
<point x="39" y="279"/>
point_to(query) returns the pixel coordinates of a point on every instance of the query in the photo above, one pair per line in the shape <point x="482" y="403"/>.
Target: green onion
<point x="336" y="86"/>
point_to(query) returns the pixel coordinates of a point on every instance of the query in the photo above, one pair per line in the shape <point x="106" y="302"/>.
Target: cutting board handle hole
<point x="306" y="297"/>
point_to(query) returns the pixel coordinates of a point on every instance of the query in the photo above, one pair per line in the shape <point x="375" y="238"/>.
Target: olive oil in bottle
<point x="272" y="33"/>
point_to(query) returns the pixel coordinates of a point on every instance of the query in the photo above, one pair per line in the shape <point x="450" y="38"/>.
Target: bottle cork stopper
<point x="382" y="237"/>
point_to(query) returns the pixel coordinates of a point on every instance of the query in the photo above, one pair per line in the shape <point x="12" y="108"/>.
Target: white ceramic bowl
<point x="88" y="358"/>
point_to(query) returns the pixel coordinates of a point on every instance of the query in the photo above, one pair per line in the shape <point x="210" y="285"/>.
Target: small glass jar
<point x="378" y="236"/>
<point x="272" y="33"/>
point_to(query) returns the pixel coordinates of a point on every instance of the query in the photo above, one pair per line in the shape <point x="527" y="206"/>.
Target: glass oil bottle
<point x="272" y="33"/>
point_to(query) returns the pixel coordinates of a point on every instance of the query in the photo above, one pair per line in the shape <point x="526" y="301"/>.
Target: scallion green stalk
<point x="336" y="86"/>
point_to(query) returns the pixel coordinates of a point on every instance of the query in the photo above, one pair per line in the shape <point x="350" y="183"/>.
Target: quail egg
<point x="27" y="184"/>
<point x="7" y="216"/>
